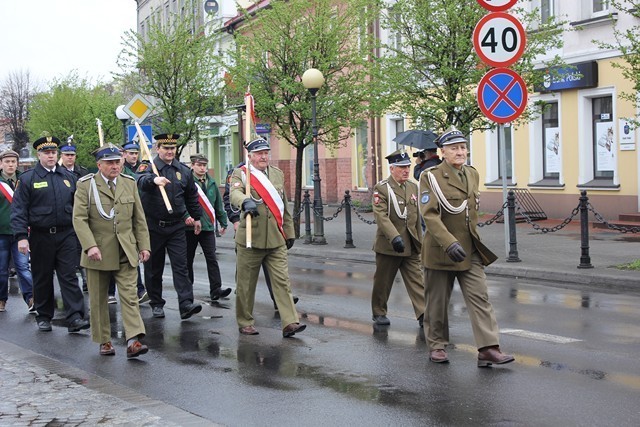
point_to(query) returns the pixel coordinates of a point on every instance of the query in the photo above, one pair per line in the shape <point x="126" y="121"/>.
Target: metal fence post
<point x="585" y="259"/>
<point x="306" y="201"/>
<point x="513" y="244"/>
<point x="347" y="217"/>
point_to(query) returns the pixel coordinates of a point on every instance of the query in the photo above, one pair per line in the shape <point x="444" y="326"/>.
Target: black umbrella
<point x="416" y="138"/>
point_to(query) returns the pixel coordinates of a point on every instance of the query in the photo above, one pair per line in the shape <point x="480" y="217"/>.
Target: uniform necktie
<point x="112" y="187"/>
<point x="463" y="178"/>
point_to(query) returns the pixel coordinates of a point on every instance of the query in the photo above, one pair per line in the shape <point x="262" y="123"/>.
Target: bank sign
<point x="577" y="76"/>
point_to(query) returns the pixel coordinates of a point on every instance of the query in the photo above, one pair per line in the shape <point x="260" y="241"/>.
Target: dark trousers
<point x="172" y="240"/>
<point x="55" y="252"/>
<point x="207" y="240"/>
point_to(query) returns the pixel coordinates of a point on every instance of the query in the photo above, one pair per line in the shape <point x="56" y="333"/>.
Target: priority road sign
<point x="499" y="39"/>
<point x="138" y="108"/>
<point x="497" y="5"/>
<point x="502" y="95"/>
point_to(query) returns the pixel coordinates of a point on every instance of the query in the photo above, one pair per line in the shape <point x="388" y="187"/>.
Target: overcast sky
<point x="50" y="38"/>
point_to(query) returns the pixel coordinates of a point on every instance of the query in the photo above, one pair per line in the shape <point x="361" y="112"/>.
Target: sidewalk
<point x="551" y="257"/>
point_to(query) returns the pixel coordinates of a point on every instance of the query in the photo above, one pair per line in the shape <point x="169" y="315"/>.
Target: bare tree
<point x="16" y="93"/>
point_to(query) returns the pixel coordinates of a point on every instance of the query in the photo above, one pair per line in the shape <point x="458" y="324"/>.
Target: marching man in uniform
<point x="398" y="239"/>
<point x="112" y="229"/>
<point x="449" y="202"/>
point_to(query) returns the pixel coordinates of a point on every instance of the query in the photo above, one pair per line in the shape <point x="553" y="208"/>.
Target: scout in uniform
<point x="449" y="203"/>
<point x="111" y="226"/>
<point x="398" y="239"/>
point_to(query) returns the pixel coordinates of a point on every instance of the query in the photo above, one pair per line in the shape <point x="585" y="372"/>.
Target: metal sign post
<point x="502" y="143"/>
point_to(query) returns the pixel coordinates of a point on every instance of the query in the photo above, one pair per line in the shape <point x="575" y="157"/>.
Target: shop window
<point x="551" y="160"/>
<point x="604" y="144"/>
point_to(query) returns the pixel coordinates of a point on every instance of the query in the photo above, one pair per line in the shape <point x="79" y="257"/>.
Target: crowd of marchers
<point x="58" y="218"/>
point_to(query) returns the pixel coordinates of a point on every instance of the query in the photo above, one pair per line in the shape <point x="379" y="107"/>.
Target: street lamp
<point x="124" y="118"/>
<point x="313" y="80"/>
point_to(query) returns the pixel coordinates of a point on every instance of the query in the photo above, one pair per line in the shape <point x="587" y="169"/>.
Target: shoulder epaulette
<point x="469" y="166"/>
<point x="275" y="168"/>
<point x="86" y="177"/>
<point x="383" y="182"/>
<point x="124" y="175"/>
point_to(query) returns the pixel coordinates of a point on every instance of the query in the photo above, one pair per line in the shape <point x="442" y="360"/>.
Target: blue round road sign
<point x="502" y="95"/>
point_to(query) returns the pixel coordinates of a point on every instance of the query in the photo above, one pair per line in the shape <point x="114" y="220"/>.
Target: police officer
<point x="167" y="230"/>
<point x="110" y="223"/>
<point x="272" y="234"/>
<point x="398" y="239"/>
<point x="207" y="237"/>
<point x="43" y="203"/>
<point x="449" y="200"/>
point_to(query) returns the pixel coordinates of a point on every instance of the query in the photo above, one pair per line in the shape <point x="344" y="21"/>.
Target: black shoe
<point x="421" y="320"/>
<point x="381" y="320"/>
<point x="157" y="312"/>
<point x="190" y="310"/>
<point x="77" y="325"/>
<point x="220" y="293"/>
<point x="295" y="301"/>
<point x="44" y="325"/>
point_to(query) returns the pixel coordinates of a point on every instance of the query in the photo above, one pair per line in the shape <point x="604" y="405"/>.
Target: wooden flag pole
<point x="143" y="143"/>
<point x="247" y="136"/>
<point x="100" y="134"/>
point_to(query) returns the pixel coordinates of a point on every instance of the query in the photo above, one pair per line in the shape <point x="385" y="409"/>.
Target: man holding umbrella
<point x="427" y="154"/>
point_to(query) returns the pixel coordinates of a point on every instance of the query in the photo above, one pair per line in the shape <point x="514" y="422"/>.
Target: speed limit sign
<point x="499" y="39"/>
<point x="497" y="5"/>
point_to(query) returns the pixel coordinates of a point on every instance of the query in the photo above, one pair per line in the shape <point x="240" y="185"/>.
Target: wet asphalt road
<point x="576" y="354"/>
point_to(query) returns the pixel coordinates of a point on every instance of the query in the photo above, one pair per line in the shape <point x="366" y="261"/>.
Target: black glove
<point x="250" y="208"/>
<point x="456" y="253"/>
<point x="290" y="243"/>
<point x="398" y="244"/>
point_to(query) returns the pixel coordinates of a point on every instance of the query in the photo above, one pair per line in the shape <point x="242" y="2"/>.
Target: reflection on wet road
<point x="576" y="356"/>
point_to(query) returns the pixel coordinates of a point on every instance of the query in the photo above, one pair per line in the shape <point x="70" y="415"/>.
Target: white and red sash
<point x="6" y="190"/>
<point x="269" y="196"/>
<point x="206" y="205"/>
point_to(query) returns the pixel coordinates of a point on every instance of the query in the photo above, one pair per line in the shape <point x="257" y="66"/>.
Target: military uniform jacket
<point x="389" y="224"/>
<point x="128" y="229"/>
<point x="182" y="192"/>
<point x="264" y="229"/>
<point x="42" y="200"/>
<point x="444" y="228"/>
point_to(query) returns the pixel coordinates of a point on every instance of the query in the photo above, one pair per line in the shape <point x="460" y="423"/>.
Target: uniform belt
<point x="51" y="230"/>
<point x="169" y="223"/>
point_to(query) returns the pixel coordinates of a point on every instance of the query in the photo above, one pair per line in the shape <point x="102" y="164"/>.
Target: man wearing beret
<point x="111" y="226"/>
<point x="41" y="218"/>
<point x="398" y="239"/>
<point x="167" y="229"/>
<point x="449" y="203"/>
<point x="8" y="245"/>
<point x="214" y="212"/>
<point x="272" y="234"/>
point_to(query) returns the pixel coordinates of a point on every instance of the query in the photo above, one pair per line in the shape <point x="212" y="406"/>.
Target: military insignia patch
<point x="376" y="198"/>
<point x="414" y="198"/>
<point x="42" y="184"/>
<point x="143" y="167"/>
<point x="67" y="183"/>
<point x="179" y="176"/>
<point x="425" y="197"/>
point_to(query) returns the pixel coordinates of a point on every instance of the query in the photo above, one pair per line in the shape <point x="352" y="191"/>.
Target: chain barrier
<point x="601" y="219"/>
<point x="328" y="218"/>
<point x="558" y="227"/>
<point x="496" y="217"/>
<point x="297" y="214"/>
<point x="360" y="217"/>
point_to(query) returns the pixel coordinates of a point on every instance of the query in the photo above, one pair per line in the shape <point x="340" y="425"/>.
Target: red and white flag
<point x="6" y="190"/>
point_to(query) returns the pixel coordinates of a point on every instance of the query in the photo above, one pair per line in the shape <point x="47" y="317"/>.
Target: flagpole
<point x="248" y="102"/>
<point x="145" y="150"/>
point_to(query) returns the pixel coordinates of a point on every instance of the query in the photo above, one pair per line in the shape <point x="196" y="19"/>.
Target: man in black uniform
<point x="131" y="153"/>
<point x="43" y="201"/>
<point x="167" y="230"/>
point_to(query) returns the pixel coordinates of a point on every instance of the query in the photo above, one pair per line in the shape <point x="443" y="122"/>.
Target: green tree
<point x="432" y="70"/>
<point x="71" y="106"/>
<point x="174" y="64"/>
<point x="277" y="45"/>
<point x="628" y="42"/>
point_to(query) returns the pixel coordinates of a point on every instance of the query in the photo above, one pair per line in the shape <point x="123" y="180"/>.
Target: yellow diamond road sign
<point x="138" y="108"/>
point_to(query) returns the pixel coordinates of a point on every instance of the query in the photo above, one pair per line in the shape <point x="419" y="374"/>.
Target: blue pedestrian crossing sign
<point x="146" y="129"/>
<point x="502" y="95"/>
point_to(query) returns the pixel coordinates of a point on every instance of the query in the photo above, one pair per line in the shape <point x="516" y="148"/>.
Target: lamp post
<point x="124" y="118"/>
<point x="312" y="79"/>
